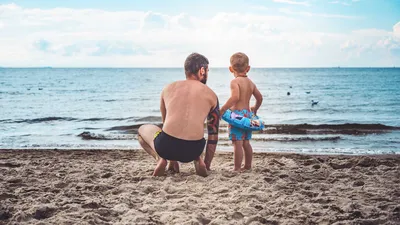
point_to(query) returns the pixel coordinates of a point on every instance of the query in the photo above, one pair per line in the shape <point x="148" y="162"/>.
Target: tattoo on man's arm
<point x="210" y="149"/>
<point x="213" y="120"/>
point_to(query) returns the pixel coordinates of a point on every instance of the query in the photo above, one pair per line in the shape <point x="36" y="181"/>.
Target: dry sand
<point x="115" y="187"/>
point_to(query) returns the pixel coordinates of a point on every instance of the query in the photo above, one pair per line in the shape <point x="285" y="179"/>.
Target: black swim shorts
<point x="172" y="148"/>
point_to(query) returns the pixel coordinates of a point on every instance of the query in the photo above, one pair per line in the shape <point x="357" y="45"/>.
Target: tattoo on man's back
<point x="213" y="120"/>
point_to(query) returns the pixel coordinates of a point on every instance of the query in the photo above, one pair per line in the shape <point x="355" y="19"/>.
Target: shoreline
<point x="219" y="151"/>
<point x="116" y="187"/>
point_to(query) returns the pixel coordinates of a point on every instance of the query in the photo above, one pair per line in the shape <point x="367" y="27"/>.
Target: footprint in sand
<point x="268" y="179"/>
<point x="229" y="174"/>
<point x="237" y="216"/>
<point x="175" y="196"/>
<point x="91" y="205"/>
<point x="5" y="215"/>
<point x="43" y="212"/>
<point x="203" y="220"/>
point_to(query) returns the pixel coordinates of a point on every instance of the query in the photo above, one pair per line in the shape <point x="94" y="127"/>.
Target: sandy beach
<point x="116" y="187"/>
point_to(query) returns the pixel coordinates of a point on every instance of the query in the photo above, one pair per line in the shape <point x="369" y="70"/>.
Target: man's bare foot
<point x="160" y="168"/>
<point x="173" y="166"/>
<point x="200" y="168"/>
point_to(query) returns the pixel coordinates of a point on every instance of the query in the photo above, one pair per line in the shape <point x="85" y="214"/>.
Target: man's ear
<point x="202" y="71"/>
<point x="231" y="69"/>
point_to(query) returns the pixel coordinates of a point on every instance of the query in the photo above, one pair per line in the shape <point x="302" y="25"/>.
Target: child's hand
<point x="221" y="112"/>
<point x="253" y="109"/>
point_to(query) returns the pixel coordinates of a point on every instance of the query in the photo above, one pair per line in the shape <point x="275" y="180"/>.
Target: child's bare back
<point x="246" y="90"/>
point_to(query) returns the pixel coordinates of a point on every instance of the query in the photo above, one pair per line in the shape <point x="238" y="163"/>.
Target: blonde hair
<point x="239" y="62"/>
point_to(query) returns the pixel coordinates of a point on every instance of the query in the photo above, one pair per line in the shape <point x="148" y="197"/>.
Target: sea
<point x="358" y="109"/>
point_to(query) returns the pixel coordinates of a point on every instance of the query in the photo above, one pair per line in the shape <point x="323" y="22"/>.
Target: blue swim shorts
<point x="238" y="134"/>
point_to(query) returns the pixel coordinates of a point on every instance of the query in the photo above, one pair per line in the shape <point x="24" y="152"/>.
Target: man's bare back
<point x="187" y="105"/>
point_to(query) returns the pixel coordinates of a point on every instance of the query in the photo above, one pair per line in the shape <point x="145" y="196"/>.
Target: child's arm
<point x="235" y="94"/>
<point x="259" y="100"/>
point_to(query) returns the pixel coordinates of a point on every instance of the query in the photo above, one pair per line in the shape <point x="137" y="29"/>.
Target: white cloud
<point x="339" y="2"/>
<point x="396" y="30"/>
<point x="310" y="14"/>
<point x="88" y="37"/>
<point x="293" y="2"/>
<point x="374" y="45"/>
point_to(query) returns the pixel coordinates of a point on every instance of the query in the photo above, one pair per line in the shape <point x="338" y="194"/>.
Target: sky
<point x="151" y="33"/>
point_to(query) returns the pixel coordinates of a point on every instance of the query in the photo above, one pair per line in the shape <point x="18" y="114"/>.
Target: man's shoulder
<point x="171" y="85"/>
<point x="210" y="91"/>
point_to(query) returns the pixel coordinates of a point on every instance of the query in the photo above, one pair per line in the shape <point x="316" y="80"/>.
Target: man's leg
<point x="146" y="140"/>
<point x="248" y="154"/>
<point x="200" y="167"/>
<point x="173" y="166"/>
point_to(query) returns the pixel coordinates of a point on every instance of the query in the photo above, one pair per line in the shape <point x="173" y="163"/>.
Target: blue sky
<point x="274" y="33"/>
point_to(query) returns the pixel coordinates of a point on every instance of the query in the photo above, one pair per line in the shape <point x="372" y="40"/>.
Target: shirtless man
<point x="184" y="106"/>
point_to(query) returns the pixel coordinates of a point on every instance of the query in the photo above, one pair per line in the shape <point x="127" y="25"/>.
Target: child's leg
<point x="237" y="136"/>
<point x="248" y="154"/>
<point x="237" y="154"/>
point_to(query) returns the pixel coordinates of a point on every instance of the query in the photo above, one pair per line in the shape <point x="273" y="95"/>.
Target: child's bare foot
<point x="237" y="169"/>
<point x="173" y="166"/>
<point x="200" y="167"/>
<point x="160" y="168"/>
<point x="244" y="169"/>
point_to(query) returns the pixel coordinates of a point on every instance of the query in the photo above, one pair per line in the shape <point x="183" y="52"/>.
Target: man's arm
<point x="212" y="127"/>
<point x="235" y="94"/>
<point x="257" y="94"/>
<point x="162" y="107"/>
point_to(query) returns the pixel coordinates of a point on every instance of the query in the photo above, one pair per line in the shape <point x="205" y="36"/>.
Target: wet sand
<point x="116" y="187"/>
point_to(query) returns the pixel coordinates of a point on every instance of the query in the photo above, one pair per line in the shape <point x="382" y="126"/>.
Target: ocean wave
<point x="111" y="100"/>
<point x="149" y="119"/>
<point x="88" y="128"/>
<point x="131" y="129"/>
<point x="344" y="128"/>
<point x="290" y="139"/>
<point x="106" y="119"/>
<point x="11" y="92"/>
<point x="44" y="119"/>
<point x="93" y="136"/>
<point x="372" y="126"/>
<point x="327" y="110"/>
<point x="56" y="118"/>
